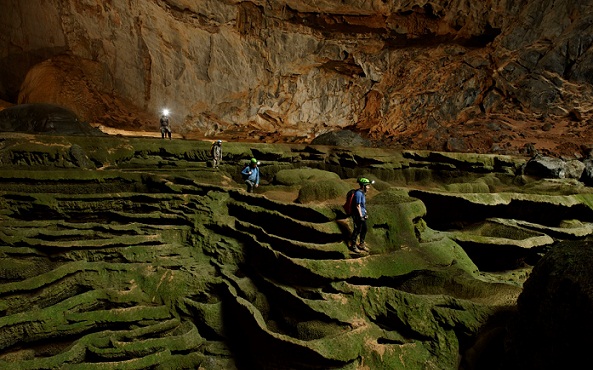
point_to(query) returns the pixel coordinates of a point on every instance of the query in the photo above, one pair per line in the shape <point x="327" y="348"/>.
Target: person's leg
<point x="249" y="186"/>
<point x="355" y="231"/>
<point x="363" y="233"/>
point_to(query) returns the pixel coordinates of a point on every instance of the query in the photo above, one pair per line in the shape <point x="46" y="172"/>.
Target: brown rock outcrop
<point x="482" y="77"/>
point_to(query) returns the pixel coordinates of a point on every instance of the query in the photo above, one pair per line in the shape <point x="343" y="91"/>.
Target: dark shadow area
<point x="450" y="212"/>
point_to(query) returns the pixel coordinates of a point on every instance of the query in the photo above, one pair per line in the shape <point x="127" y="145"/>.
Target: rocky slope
<point x="133" y="253"/>
<point x="489" y="76"/>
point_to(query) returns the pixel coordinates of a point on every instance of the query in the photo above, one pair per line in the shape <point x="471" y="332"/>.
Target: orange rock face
<point x="487" y="76"/>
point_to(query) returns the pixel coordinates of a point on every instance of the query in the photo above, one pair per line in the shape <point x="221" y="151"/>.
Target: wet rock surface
<point x="155" y="259"/>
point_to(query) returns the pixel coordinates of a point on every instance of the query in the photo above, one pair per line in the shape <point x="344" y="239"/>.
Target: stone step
<point x="295" y="248"/>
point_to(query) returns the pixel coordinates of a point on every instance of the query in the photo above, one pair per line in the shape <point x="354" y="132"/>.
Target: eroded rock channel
<point x="135" y="254"/>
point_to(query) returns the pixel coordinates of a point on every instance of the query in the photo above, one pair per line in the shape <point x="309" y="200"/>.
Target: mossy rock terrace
<point x="133" y="253"/>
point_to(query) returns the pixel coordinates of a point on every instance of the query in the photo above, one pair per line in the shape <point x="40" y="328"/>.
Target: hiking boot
<point x="355" y="249"/>
<point x="363" y="246"/>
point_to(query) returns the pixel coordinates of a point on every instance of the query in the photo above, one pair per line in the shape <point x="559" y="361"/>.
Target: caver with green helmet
<point x="364" y="181"/>
<point x="360" y="215"/>
<point x="251" y="175"/>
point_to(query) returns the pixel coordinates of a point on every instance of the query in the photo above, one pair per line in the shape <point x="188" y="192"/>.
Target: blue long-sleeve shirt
<point x="253" y="177"/>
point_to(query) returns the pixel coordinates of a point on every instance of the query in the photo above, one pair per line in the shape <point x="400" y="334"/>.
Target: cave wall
<point x="302" y="68"/>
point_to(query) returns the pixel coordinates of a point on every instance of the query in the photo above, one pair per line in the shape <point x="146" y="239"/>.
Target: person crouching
<point x="251" y="175"/>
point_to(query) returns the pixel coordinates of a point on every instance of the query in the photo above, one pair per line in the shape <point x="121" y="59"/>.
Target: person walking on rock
<point x="359" y="217"/>
<point x="216" y="153"/>
<point x="251" y="175"/>
<point x="165" y="125"/>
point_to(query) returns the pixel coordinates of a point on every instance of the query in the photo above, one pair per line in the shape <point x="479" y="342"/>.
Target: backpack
<point x="349" y="204"/>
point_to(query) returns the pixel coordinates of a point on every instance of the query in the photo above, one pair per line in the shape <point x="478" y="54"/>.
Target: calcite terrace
<point x="150" y="258"/>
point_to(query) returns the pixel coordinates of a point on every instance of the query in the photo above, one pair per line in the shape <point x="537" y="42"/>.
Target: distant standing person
<point x="165" y="125"/>
<point x="251" y="175"/>
<point x="216" y="153"/>
<point x="360" y="216"/>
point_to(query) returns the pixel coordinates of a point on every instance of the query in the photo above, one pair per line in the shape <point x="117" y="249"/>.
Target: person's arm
<point x="359" y="210"/>
<point x="358" y="199"/>
<point x="257" y="177"/>
<point x="245" y="171"/>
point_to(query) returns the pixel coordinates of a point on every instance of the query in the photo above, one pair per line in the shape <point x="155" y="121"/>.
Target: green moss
<point x="446" y="252"/>
<point x="468" y="187"/>
<point x="316" y="329"/>
<point x="322" y="190"/>
<point x="301" y="175"/>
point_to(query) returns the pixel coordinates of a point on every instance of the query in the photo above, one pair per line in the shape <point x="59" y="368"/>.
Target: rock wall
<point x="418" y="74"/>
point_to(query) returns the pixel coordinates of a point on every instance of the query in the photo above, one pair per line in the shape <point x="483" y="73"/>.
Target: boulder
<point x="44" y="118"/>
<point x="574" y="169"/>
<point x="545" y="167"/>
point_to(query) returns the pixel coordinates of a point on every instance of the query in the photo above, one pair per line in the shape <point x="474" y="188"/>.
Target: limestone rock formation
<point x="156" y="260"/>
<point x="489" y="76"/>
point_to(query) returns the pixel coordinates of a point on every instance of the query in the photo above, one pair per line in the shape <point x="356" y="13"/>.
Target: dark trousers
<point x="250" y="186"/>
<point x="360" y="229"/>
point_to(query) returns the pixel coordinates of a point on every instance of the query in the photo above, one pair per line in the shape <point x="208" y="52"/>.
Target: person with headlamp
<point x="165" y="124"/>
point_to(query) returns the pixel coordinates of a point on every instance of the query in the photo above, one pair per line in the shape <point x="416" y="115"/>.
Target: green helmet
<point x="365" y="181"/>
<point x="253" y="160"/>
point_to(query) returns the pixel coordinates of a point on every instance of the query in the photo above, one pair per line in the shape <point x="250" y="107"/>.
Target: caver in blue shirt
<point x="360" y="198"/>
<point x="251" y="174"/>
